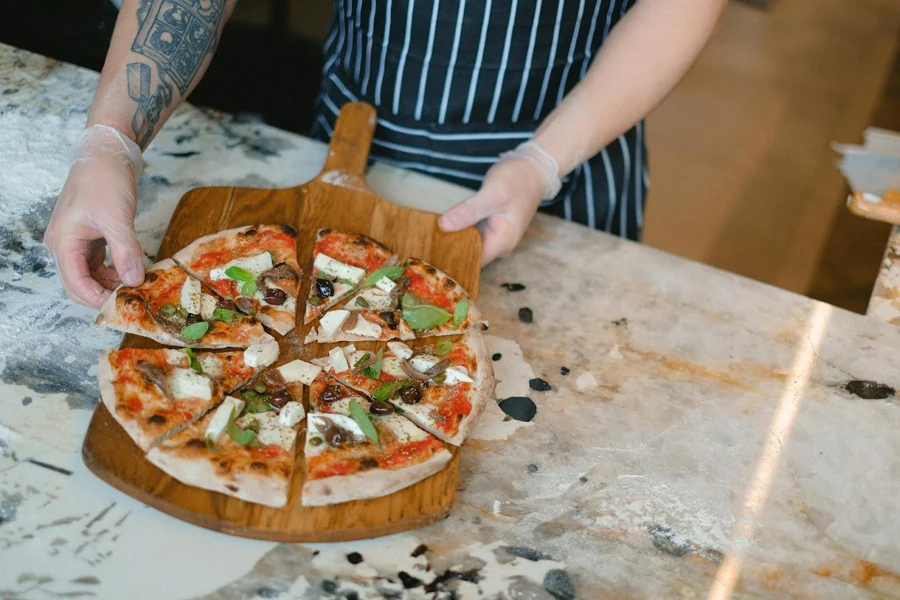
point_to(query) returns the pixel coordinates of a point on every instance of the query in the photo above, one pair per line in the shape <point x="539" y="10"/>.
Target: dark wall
<point x="259" y="70"/>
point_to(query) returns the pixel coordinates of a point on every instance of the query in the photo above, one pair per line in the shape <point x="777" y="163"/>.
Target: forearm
<point x="159" y="51"/>
<point x="643" y="59"/>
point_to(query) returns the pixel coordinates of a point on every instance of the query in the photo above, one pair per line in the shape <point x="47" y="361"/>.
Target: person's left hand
<point x="502" y="209"/>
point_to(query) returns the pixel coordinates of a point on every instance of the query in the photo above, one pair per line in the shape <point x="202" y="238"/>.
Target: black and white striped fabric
<point x="456" y="83"/>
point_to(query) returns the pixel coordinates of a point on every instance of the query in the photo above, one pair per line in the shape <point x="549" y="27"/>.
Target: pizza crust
<point x="105" y="381"/>
<point x="201" y="473"/>
<point x="370" y="484"/>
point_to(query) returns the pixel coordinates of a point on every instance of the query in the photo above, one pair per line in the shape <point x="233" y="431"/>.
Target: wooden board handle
<point x="348" y="151"/>
<point x="870" y="206"/>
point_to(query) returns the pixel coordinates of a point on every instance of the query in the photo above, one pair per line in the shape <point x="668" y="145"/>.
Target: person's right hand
<point x="96" y="207"/>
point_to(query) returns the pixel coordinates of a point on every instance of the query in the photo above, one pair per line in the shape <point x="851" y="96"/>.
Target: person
<point x="536" y="103"/>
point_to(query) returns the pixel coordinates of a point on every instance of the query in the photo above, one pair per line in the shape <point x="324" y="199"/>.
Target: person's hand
<point x="96" y="207"/>
<point x="502" y="209"/>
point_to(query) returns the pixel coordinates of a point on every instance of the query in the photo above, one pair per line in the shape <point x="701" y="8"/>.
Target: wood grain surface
<point x="337" y="198"/>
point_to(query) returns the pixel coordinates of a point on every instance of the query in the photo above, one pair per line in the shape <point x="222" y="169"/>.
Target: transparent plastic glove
<point x="505" y="205"/>
<point x="96" y="207"/>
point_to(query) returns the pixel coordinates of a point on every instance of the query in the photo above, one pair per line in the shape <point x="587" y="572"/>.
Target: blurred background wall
<point x="742" y="174"/>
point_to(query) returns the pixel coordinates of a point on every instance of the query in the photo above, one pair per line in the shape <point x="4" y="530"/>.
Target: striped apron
<point x="456" y="83"/>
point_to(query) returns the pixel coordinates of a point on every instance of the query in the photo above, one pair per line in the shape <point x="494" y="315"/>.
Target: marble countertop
<point x="698" y="439"/>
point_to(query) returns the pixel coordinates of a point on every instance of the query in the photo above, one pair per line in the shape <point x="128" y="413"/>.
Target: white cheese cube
<point x="457" y="374"/>
<point x="349" y="349"/>
<point x="177" y="358"/>
<point x="391" y="366"/>
<point x="184" y="384"/>
<point x="365" y="328"/>
<point x="190" y="295"/>
<point x="331" y="323"/>
<point x="258" y="356"/>
<point x="373" y="299"/>
<point x="208" y="305"/>
<point x="400" y="350"/>
<point x="211" y="365"/>
<point x="255" y="265"/>
<point x="338" y="360"/>
<point x="270" y="430"/>
<point x="423" y="362"/>
<point x="403" y="428"/>
<point x="299" y="370"/>
<point x="291" y="414"/>
<point x="336" y="268"/>
<point x="220" y="418"/>
<point x="386" y="285"/>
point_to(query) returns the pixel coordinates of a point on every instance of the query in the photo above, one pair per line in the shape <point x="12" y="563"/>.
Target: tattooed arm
<point x="159" y="51"/>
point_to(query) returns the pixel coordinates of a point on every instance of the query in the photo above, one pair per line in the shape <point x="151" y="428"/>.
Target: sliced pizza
<point x="176" y="309"/>
<point x="153" y="393"/>
<point x="342" y="325"/>
<point x="435" y="304"/>
<point x="342" y="263"/>
<point x="357" y="449"/>
<point x="443" y="388"/>
<point x="254" y="266"/>
<point x="248" y="455"/>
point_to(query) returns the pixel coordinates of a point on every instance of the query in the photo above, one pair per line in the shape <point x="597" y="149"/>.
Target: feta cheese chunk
<point x="184" y="384"/>
<point x="318" y="423"/>
<point x="372" y="299"/>
<point x="457" y="374"/>
<point x="269" y="429"/>
<point x="208" y="305"/>
<point x="211" y="365"/>
<point x="365" y="328"/>
<point x="403" y="428"/>
<point x="423" y="362"/>
<point x="386" y="285"/>
<point x="391" y="366"/>
<point x="338" y="360"/>
<point x="299" y="370"/>
<point x="336" y="268"/>
<point x="291" y="414"/>
<point x="190" y="295"/>
<point x="258" y="356"/>
<point x="220" y="418"/>
<point x="331" y="323"/>
<point x="349" y="349"/>
<point x="177" y="358"/>
<point x="400" y="350"/>
<point x="255" y="265"/>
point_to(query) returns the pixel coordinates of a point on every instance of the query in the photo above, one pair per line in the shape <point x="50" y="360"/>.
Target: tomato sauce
<point x="335" y="247"/>
<point x="210" y="260"/>
<point x="270" y="451"/>
<point x="319" y="467"/>
<point x="402" y="453"/>
<point x="420" y="287"/>
<point x="134" y="405"/>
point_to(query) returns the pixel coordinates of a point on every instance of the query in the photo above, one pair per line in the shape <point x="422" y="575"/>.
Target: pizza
<point x="442" y="388"/>
<point x="356" y="448"/>
<point x="342" y="262"/>
<point x="255" y="267"/>
<point x="176" y="309"/>
<point x="433" y="303"/>
<point x="153" y="393"/>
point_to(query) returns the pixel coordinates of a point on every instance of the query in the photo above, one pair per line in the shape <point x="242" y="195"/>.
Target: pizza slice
<point x="255" y="267"/>
<point x="153" y="393"/>
<point x="173" y="308"/>
<point x="435" y="304"/>
<point x="342" y="262"/>
<point x="442" y="388"/>
<point x="357" y="449"/>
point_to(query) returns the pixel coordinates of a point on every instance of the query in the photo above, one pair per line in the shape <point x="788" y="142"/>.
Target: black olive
<point x="279" y="398"/>
<point x="389" y="318"/>
<point x="275" y="297"/>
<point x="331" y="393"/>
<point x="193" y="318"/>
<point x="157" y="419"/>
<point x="381" y="408"/>
<point x="335" y="437"/>
<point x="410" y="394"/>
<point x="324" y="288"/>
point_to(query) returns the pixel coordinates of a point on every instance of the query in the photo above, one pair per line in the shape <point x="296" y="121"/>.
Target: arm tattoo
<point x="177" y="35"/>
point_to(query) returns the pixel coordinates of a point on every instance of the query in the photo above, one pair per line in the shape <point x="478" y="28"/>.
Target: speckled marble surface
<point x="701" y="443"/>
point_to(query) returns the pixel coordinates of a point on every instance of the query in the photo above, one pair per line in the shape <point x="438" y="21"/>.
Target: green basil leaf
<point x="425" y="316"/>
<point x="361" y="360"/>
<point x="373" y="371"/>
<point x="244" y="437"/>
<point x="412" y="301"/>
<point x="362" y="419"/>
<point x="386" y="390"/>
<point x="392" y="273"/>
<point x="460" y="312"/>
<point x="195" y="331"/>
<point x="249" y="288"/>
<point x="223" y="314"/>
<point x="239" y="274"/>
<point x="258" y="405"/>
<point x="195" y="364"/>
<point x="443" y="347"/>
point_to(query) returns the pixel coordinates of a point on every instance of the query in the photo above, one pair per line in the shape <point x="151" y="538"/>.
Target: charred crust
<point x="448" y="283"/>
<point x="258" y="466"/>
<point x="132" y="299"/>
<point x="195" y="443"/>
<point x="151" y="277"/>
<point x="324" y="232"/>
<point x="232" y="488"/>
<point x="249" y="232"/>
<point x="361" y="240"/>
<point x="368" y="463"/>
<point x="157" y="419"/>
<point x="225" y="464"/>
<point x="430" y="270"/>
<point x="288" y="230"/>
